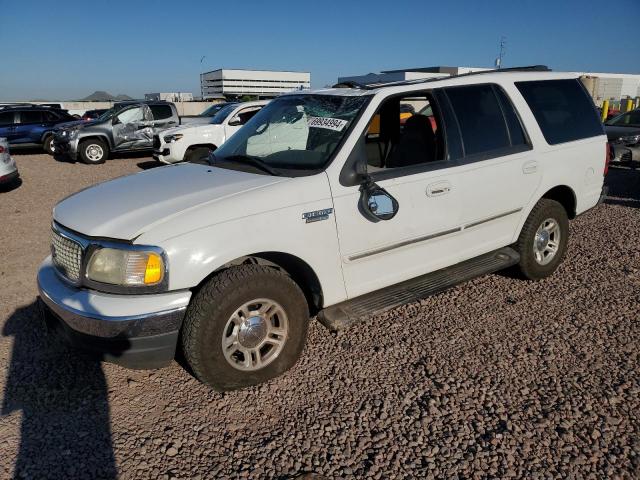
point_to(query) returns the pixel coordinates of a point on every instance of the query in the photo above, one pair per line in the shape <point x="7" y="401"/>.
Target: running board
<point x="345" y="314"/>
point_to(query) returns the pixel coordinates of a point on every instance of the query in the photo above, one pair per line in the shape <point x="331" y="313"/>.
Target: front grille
<point x="156" y="142"/>
<point x="66" y="255"/>
<point x="626" y="156"/>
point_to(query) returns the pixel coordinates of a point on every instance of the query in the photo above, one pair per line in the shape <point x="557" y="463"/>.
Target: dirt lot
<point x="495" y="378"/>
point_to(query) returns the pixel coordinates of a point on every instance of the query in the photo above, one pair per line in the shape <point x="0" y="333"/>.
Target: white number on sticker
<point x="336" y="124"/>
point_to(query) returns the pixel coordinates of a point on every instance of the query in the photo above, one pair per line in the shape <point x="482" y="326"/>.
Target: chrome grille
<point x="66" y="255"/>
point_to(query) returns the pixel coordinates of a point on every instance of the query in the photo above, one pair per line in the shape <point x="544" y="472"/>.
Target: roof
<point x="255" y="70"/>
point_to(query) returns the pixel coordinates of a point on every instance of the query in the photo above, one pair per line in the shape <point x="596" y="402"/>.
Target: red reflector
<point x="607" y="158"/>
<point x="1" y="149"/>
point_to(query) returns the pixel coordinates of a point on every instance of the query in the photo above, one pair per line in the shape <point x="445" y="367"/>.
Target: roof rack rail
<point x="373" y="86"/>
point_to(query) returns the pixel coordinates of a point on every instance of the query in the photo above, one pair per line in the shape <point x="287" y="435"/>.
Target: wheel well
<point x="200" y="145"/>
<point x="295" y="267"/>
<point x="564" y="196"/>
<point x="102" y="138"/>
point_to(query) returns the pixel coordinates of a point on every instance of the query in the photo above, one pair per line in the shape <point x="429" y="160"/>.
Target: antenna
<point x="503" y="45"/>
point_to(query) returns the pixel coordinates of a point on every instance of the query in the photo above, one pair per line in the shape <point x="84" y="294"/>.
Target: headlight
<point x="172" y="138"/>
<point x="128" y="268"/>
<point x="630" y="140"/>
<point x="69" y="134"/>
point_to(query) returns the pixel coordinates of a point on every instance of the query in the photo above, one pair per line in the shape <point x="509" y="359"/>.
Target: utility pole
<point x="503" y="44"/>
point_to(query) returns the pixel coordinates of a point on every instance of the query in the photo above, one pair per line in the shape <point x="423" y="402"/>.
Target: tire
<point x="214" y="316"/>
<point x="93" y="151"/>
<point x="538" y="261"/>
<point x="196" y="155"/>
<point x="47" y="145"/>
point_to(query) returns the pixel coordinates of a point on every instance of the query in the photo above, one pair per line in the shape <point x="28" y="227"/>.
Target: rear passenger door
<point x="30" y="127"/>
<point x="163" y="117"/>
<point x="498" y="173"/>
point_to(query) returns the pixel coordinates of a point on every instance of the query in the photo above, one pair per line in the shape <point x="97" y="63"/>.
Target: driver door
<point x="423" y="236"/>
<point x="132" y="128"/>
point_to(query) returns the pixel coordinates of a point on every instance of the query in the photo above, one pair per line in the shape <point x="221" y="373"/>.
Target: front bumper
<point x="135" y="331"/>
<point x="65" y="147"/>
<point x="625" y="154"/>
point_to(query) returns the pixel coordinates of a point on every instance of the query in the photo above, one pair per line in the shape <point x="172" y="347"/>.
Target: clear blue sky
<point x="67" y="49"/>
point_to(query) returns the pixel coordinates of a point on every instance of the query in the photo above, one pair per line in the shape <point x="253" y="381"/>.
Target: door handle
<point x="530" y="167"/>
<point x="437" y="189"/>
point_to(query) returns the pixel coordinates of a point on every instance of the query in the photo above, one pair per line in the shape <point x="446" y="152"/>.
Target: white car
<point x="193" y="142"/>
<point x="309" y="211"/>
<point x="8" y="170"/>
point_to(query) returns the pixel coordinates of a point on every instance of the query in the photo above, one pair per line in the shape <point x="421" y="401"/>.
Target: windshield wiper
<point x="255" y="161"/>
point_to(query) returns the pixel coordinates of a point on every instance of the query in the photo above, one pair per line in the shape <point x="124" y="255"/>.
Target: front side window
<point x="297" y="132"/>
<point x="562" y="108"/>
<point x="222" y="114"/>
<point x="479" y="115"/>
<point x="135" y="114"/>
<point x="213" y="109"/>
<point x="31" y="116"/>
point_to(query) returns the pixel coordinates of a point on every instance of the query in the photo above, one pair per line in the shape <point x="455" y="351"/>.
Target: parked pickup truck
<point x="193" y="142"/>
<point x="127" y="127"/>
<point x="303" y="213"/>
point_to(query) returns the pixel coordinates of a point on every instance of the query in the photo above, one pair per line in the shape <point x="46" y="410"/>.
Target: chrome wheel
<point x="94" y="152"/>
<point x="546" y="241"/>
<point x="255" y="334"/>
<point x="52" y="148"/>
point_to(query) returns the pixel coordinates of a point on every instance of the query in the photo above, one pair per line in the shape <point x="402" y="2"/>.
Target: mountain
<point x="101" y="96"/>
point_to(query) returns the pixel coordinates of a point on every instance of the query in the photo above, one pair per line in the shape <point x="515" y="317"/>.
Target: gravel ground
<point x="495" y="378"/>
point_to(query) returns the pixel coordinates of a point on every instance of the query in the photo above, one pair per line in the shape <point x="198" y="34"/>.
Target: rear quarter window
<point x="563" y="109"/>
<point x="6" y="118"/>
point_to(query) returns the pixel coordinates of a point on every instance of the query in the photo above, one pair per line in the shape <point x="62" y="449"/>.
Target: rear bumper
<point x="135" y="331"/>
<point x="9" y="177"/>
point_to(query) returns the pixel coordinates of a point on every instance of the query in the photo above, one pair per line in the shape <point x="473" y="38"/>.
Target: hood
<point x="614" y="132"/>
<point x="126" y="207"/>
<point x="194" y="128"/>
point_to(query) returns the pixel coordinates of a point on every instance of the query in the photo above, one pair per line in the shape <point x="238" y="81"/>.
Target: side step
<point x="349" y="312"/>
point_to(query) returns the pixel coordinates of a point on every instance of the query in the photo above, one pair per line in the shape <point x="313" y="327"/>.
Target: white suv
<point x="326" y="203"/>
<point x="194" y="142"/>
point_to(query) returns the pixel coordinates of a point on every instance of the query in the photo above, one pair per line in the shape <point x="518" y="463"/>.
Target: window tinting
<point x="480" y="118"/>
<point x="562" y="108"/>
<point x="6" y="118"/>
<point x="50" y="117"/>
<point x="160" y="112"/>
<point x="516" y="132"/>
<point x="31" y="116"/>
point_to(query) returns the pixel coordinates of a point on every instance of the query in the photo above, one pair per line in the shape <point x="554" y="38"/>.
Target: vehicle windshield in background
<point x="213" y="109"/>
<point x="298" y="132"/>
<point x="223" y="113"/>
<point x="629" y="119"/>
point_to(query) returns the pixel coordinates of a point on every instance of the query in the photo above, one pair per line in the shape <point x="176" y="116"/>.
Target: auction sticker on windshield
<point x="336" y="124"/>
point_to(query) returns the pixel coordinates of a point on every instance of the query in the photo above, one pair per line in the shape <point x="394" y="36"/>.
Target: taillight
<point x="1" y="149"/>
<point x="607" y="158"/>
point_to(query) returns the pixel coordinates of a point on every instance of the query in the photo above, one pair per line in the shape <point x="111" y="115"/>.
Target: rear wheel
<point x="93" y="151"/>
<point x="246" y="325"/>
<point x="543" y="240"/>
<point x="48" y="146"/>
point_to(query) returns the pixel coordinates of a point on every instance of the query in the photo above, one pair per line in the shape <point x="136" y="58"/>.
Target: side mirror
<point x="376" y="203"/>
<point x="235" y="121"/>
<point x="115" y="121"/>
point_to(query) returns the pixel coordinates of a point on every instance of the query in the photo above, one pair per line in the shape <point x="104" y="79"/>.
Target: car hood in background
<point x="614" y="132"/>
<point x="126" y="207"/>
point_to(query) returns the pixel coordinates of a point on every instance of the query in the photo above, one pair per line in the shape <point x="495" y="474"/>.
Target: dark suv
<point x="31" y="125"/>
<point x="127" y="127"/>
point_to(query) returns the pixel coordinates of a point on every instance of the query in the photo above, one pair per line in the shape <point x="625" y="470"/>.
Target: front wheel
<point x="246" y="325"/>
<point x="93" y="151"/>
<point x="48" y="146"/>
<point x="543" y="240"/>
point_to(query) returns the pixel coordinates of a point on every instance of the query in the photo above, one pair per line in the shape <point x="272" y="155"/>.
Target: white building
<point x="170" y="97"/>
<point x="260" y="83"/>
<point x="611" y="86"/>
<point x="408" y="74"/>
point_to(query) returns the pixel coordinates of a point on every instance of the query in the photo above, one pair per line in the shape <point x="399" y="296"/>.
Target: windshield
<point x="629" y="119"/>
<point x="213" y="109"/>
<point x="223" y="113"/>
<point x="106" y="115"/>
<point x="298" y="132"/>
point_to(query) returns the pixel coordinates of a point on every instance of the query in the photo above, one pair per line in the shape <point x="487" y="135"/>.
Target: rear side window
<point x="562" y="108"/>
<point x="6" y="118"/>
<point x="516" y="132"/>
<point x="160" y="112"/>
<point x="479" y="115"/>
<point x="50" y="117"/>
<point x="31" y="116"/>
